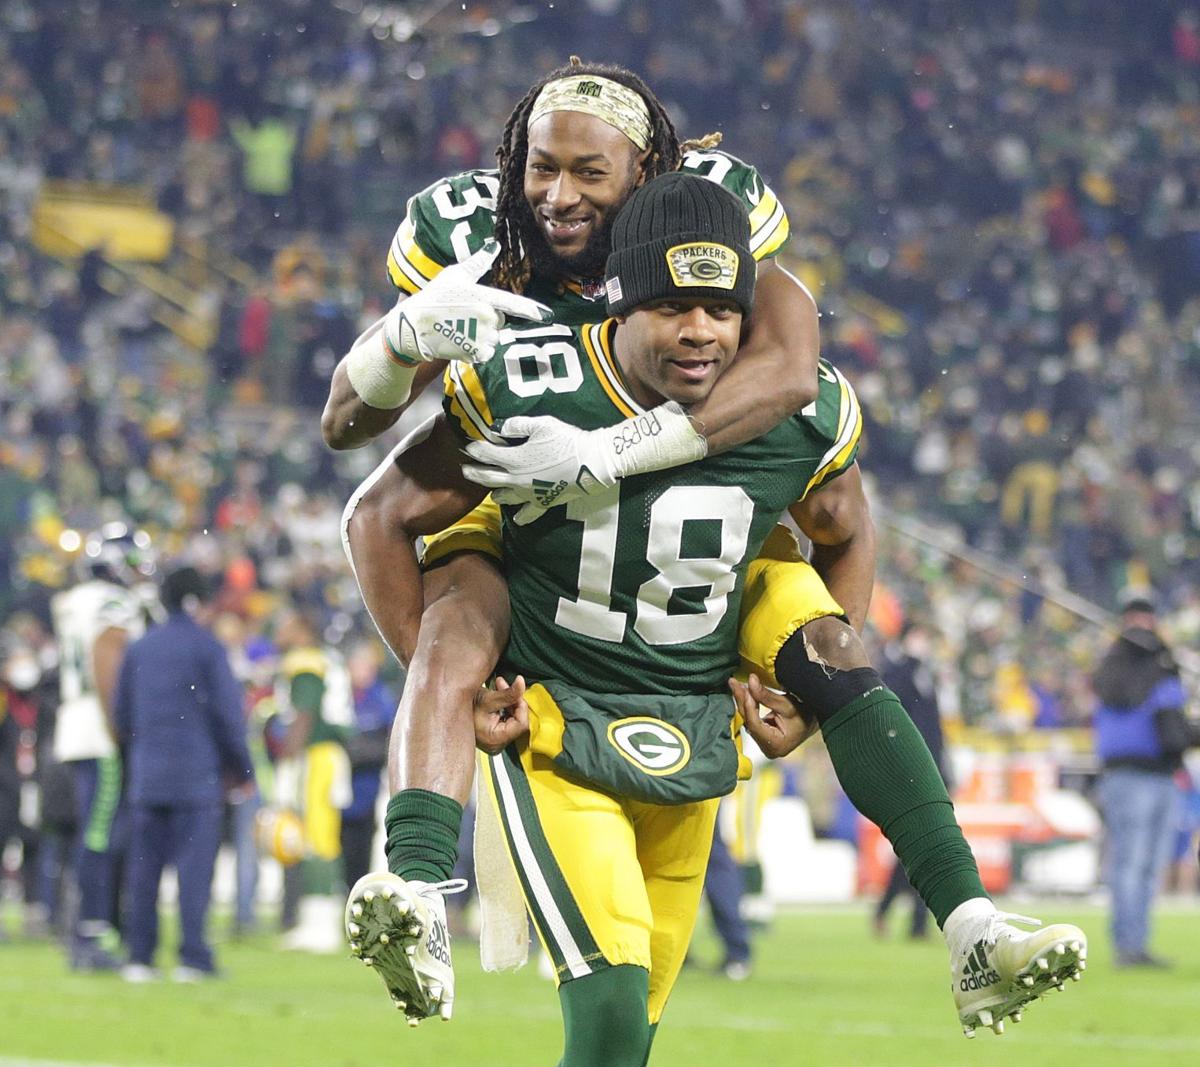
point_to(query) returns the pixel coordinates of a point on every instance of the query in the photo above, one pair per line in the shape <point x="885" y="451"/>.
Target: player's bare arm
<point x="348" y="421"/>
<point x="781" y="347"/>
<point x="837" y="519"/>
<point x="107" y="652"/>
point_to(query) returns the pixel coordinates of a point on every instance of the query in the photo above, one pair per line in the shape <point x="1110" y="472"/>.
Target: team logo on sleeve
<point x="654" y="746"/>
<point x="703" y="263"/>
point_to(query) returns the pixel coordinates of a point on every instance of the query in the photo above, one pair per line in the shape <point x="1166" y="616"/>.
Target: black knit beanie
<point x="680" y="235"/>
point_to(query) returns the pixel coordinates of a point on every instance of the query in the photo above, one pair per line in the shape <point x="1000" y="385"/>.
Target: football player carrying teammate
<point x="580" y="129"/>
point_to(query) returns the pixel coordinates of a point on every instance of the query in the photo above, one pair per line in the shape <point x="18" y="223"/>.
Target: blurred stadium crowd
<point x="998" y="210"/>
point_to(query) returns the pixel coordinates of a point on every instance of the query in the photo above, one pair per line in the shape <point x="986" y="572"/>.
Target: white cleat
<point x="399" y="928"/>
<point x="998" y="969"/>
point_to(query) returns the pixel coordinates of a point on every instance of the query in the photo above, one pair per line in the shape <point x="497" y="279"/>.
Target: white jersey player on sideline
<point x="93" y="622"/>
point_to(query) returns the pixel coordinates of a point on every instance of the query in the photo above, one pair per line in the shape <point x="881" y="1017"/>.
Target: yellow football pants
<point x="607" y="881"/>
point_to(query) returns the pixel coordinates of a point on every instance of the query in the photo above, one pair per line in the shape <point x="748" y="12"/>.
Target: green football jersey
<point x="452" y="219"/>
<point x="638" y="589"/>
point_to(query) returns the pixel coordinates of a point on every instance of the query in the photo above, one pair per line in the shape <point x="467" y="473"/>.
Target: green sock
<point x="422" y="835"/>
<point x="889" y="775"/>
<point x="605" y="1018"/>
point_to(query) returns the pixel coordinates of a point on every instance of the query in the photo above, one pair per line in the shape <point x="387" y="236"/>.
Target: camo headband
<point x="610" y="101"/>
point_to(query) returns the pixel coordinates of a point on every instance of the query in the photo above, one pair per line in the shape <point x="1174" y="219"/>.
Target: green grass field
<point x="823" y="993"/>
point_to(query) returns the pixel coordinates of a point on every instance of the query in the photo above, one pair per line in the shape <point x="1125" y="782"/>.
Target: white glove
<point x="557" y="463"/>
<point x="454" y="317"/>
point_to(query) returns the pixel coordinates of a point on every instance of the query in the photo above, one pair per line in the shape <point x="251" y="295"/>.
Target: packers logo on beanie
<point x="680" y="235"/>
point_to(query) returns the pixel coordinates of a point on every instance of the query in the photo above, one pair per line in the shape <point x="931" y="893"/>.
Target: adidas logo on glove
<point x="461" y="333"/>
<point x="548" y="492"/>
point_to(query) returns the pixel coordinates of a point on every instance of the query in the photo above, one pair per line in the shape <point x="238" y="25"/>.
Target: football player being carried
<point x="637" y="589"/>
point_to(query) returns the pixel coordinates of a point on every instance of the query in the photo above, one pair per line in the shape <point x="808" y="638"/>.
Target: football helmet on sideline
<point x="119" y="554"/>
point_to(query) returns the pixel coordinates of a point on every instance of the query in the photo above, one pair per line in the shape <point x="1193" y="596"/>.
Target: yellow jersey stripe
<point x="454" y="406"/>
<point x="474" y="387"/>
<point x="849" y="431"/>
<point x="763" y="210"/>
<point x="407" y="260"/>
<point x="399" y="279"/>
<point x="773" y="230"/>
<point x="775" y="242"/>
<point x="604" y="347"/>
<point x="594" y="342"/>
<point x="468" y="402"/>
<point x="407" y="238"/>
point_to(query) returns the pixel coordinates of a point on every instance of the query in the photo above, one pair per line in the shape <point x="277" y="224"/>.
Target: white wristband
<point x="663" y="437"/>
<point x="379" y="380"/>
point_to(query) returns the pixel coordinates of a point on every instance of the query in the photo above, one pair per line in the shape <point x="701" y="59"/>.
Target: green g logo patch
<point x="651" y="745"/>
<point x="703" y="263"/>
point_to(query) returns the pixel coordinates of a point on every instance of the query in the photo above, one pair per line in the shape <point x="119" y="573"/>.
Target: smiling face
<point x="676" y="349"/>
<point x="578" y="173"/>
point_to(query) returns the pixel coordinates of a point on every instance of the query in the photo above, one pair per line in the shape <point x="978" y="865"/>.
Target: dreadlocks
<point x="512" y="268"/>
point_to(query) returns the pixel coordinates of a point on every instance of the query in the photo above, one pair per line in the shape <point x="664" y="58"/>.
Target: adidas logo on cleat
<point x="979" y="981"/>
<point x="437" y="945"/>
<point x="978" y="974"/>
